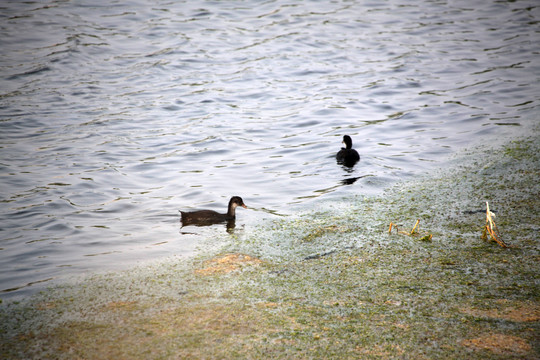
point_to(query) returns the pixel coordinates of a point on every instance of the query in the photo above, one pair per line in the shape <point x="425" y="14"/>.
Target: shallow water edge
<point x="326" y="283"/>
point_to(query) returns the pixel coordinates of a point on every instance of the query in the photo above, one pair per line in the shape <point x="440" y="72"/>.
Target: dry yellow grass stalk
<point x="491" y="228"/>
<point x="427" y="236"/>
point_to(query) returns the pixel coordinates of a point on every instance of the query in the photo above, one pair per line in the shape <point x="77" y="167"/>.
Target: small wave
<point x="29" y="73"/>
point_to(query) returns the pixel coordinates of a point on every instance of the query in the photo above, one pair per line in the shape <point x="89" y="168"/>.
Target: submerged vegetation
<point x="332" y="283"/>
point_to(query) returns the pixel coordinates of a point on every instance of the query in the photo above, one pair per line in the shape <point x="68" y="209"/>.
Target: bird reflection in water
<point x="229" y="224"/>
<point x="350" y="181"/>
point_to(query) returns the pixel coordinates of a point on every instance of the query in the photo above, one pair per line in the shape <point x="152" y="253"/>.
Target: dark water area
<point x="113" y="117"/>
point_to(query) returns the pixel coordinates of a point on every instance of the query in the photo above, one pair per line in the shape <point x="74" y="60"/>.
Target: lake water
<point x="113" y="117"/>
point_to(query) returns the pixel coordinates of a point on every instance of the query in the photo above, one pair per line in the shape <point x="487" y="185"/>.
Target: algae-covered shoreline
<point x="329" y="283"/>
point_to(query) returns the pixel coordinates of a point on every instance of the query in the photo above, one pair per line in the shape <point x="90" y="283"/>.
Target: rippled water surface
<point x="113" y="117"/>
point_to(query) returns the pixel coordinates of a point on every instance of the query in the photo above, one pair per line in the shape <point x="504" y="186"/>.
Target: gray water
<point x="114" y="117"/>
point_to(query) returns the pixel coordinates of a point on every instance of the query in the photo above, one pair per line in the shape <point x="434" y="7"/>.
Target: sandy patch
<point x="499" y="344"/>
<point x="518" y="311"/>
<point x="227" y="263"/>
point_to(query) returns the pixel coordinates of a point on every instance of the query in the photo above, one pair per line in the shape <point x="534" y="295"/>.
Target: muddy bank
<point x="326" y="283"/>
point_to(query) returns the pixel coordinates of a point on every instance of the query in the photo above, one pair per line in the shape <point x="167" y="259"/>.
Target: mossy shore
<point x="326" y="284"/>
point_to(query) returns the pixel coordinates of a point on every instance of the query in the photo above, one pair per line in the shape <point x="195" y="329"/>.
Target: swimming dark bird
<point x="347" y="155"/>
<point x="209" y="217"/>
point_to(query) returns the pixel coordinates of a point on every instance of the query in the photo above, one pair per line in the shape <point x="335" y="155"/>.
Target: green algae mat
<point x="328" y="283"/>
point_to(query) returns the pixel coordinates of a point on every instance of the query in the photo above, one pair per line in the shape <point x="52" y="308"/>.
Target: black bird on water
<point x="209" y="217"/>
<point x="347" y="155"/>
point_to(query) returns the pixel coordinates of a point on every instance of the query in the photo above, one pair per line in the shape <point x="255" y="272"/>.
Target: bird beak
<point x="244" y="206"/>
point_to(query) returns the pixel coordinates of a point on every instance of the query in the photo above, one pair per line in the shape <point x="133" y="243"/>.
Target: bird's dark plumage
<point x="347" y="155"/>
<point x="208" y="217"/>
